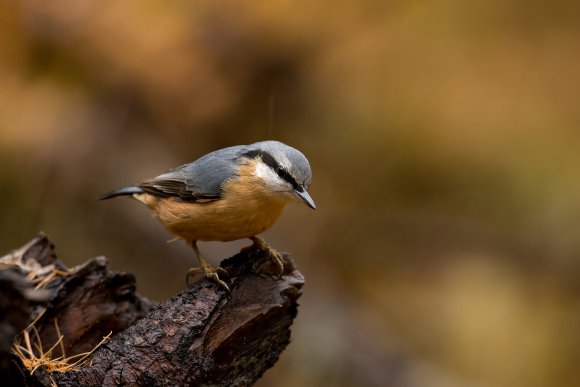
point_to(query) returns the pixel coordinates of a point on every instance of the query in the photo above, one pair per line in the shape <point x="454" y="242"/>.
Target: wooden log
<point x="202" y="336"/>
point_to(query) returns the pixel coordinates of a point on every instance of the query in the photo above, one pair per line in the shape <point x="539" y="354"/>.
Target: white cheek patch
<point x="268" y="175"/>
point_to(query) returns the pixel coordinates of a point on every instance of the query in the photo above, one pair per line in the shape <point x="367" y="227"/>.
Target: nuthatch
<point x="232" y="193"/>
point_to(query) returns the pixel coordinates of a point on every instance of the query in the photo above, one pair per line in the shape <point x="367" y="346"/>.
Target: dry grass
<point x="28" y="347"/>
<point x="42" y="281"/>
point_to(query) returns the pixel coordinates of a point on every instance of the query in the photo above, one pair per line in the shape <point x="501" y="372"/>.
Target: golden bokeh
<point x="445" y="146"/>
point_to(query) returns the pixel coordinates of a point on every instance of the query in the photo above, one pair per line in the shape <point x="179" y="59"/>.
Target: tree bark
<point x="202" y="336"/>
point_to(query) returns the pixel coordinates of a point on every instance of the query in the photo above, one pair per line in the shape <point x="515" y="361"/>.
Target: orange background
<point x="445" y="146"/>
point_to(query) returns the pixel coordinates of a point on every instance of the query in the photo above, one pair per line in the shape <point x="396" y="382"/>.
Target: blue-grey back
<point x="200" y="179"/>
<point x="203" y="179"/>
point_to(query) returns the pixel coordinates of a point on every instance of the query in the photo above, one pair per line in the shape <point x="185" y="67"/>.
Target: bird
<point x="232" y="193"/>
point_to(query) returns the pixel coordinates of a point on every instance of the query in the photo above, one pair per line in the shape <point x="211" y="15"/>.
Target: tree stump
<point x="202" y="336"/>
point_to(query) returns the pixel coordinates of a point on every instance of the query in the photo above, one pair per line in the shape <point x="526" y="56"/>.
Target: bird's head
<point x="283" y="169"/>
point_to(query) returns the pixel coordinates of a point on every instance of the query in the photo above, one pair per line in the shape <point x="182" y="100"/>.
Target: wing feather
<point x="201" y="180"/>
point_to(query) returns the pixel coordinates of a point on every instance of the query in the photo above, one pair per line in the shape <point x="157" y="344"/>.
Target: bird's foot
<point x="208" y="271"/>
<point x="275" y="256"/>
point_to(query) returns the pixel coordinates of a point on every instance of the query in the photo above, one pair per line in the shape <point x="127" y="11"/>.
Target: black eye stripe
<point x="288" y="177"/>
<point x="272" y="163"/>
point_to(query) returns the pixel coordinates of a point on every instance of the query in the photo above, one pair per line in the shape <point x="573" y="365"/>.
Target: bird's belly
<point x="219" y="220"/>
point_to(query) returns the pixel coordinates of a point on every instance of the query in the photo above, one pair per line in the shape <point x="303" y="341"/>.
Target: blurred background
<point x="444" y="138"/>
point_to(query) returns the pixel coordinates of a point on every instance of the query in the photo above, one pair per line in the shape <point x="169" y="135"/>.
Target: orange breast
<point x="247" y="208"/>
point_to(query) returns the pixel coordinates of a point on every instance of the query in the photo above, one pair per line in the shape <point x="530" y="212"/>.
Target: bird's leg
<point x="206" y="269"/>
<point x="259" y="243"/>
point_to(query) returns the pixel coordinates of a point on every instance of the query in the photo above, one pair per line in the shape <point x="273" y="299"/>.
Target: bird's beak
<point x="303" y="196"/>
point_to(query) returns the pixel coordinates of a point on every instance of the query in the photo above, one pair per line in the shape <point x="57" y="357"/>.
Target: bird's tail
<point x="121" y="192"/>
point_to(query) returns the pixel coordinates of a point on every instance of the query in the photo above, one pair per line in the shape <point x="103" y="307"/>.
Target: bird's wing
<point x="200" y="180"/>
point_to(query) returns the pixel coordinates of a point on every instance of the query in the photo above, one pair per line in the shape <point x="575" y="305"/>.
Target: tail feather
<point x="121" y="192"/>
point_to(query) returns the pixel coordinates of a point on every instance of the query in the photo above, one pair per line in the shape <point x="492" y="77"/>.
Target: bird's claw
<point x="209" y="272"/>
<point x="275" y="256"/>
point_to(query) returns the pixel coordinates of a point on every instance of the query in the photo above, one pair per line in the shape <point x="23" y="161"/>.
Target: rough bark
<point x="201" y="336"/>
